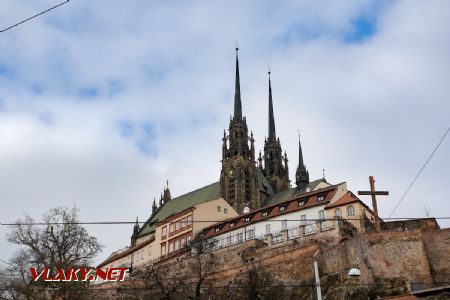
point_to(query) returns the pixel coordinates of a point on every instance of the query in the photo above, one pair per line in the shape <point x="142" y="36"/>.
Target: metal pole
<point x="316" y="274"/>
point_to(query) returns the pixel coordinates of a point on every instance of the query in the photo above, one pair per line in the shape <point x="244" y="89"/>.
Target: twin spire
<point x="273" y="163"/>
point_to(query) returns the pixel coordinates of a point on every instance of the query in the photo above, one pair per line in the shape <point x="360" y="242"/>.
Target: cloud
<point x="100" y="104"/>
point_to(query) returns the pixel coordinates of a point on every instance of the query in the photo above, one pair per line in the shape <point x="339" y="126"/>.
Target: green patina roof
<point x="175" y="205"/>
<point x="291" y="193"/>
<point x="263" y="184"/>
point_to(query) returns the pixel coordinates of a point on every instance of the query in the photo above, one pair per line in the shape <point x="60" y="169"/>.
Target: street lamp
<point x="354" y="272"/>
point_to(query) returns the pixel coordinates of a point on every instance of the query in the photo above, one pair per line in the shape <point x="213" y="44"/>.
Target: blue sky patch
<point x="141" y="133"/>
<point x="88" y="92"/>
<point x="5" y="72"/>
<point x="116" y="87"/>
<point x="362" y="29"/>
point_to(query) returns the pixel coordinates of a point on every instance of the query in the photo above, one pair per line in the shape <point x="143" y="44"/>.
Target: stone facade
<point x="392" y="262"/>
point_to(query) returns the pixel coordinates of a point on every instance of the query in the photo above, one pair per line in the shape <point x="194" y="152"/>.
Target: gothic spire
<point x="154" y="207"/>
<point x="302" y="175"/>
<point x="237" y="92"/>
<point x="300" y="154"/>
<point x="272" y="135"/>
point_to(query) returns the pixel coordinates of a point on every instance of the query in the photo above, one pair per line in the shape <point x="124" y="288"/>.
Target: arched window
<point x="338" y="212"/>
<point x="350" y="210"/>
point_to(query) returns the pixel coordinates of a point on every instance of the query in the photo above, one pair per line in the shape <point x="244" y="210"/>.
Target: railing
<point x="310" y="229"/>
<point x="293" y="232"/>
<point x="277" y="238"/>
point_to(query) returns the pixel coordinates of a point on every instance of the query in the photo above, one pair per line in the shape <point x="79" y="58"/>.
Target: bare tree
<point x="62" y="243"/>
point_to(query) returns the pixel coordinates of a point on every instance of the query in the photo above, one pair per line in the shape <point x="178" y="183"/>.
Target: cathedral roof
<point x="289" y="194"/>
<point x="263" y="183"/>
<point x="175" y="205"/>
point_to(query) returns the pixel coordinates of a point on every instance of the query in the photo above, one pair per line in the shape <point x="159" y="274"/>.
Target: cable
<point x="225" y="287"/>
<point x="418" y="174"/>
<point x="205" y="221"/>
<point x="37" y="15"/>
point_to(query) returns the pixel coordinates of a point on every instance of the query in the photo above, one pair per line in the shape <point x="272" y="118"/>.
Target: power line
<point x="420" y="172"/>
<point x="99" y="289"/>
<point x="32" y="17"/>
<point x="205" y="221"/>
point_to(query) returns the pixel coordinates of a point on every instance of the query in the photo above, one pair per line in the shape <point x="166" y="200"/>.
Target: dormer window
<point x="320" y="197"/>
<point x="301" y="203"/>
<point x="282" y="208"/>
<point x="232" y="224"/>
<point x="217" y="229"/>
<point x="247" y="219"/>
<point x="264" y="213"/>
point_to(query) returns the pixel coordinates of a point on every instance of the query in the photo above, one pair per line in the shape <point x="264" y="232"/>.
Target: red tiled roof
<point x="348" y="199"/>
<point x="310" y="199"/>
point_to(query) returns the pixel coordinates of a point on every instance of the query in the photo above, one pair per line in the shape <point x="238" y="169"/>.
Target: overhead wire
<point x="420" y="172"/>
<point x="206" y="221"/>
<point x="32" y="17"/>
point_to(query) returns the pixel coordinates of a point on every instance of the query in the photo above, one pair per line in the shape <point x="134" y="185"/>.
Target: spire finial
<point x="272" y="135"/>
<point x="167" y="184"/>
<point x="237" y="90"/>
<point x="323" y="173"/>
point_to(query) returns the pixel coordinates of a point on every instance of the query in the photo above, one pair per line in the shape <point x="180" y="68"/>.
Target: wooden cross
<point x="373" y="193"/>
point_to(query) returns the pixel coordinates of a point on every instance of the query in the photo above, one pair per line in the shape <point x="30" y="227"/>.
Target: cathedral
<point x="243" y="181"/>
<point x="246" y="182"/>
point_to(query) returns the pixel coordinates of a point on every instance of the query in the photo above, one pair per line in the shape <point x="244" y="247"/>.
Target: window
<point x="321" y="215"/>
<point x="320" y="198"/>
<point x="303" y="220"/>
<point x="350" y="210"/>
<point x="171" y="228"/>
<point x="188" y="240"/>
<point x="267" y="228"/>
<point x="251" y="233"/>
<point x="301" y="203"/>
<point x="183" y="242"/>
<point x="177" y="225"/>
<point x="164" y="231"/>
<point x="163" y="249"/>
<point x="264" y="213"/>
<point x="247" y="219"/>
<point x="240" y="237"/>
<point x="229" y="240"/>
<point x="219" y="209"/>
<point x="338" y="212"/>
<point x="177" y="245"/>
<point x="283" y="224"/>
<point x="232" y="224"/>
<point x="217" y="229"/>
<point x="189" y="220"/>
<point x="183" y="222"/>
<point x="282" y="208"/>
<point x="225" y="211"/>
<point x="171" y="247"/>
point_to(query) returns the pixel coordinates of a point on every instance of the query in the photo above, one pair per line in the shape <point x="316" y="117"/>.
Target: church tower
<point x="275" y="164"/>
<point x="302" y="175"/>
<point x="238" y="178"/>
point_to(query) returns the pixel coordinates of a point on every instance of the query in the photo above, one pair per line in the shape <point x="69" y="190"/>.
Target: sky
<point x="101" y="102"/>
